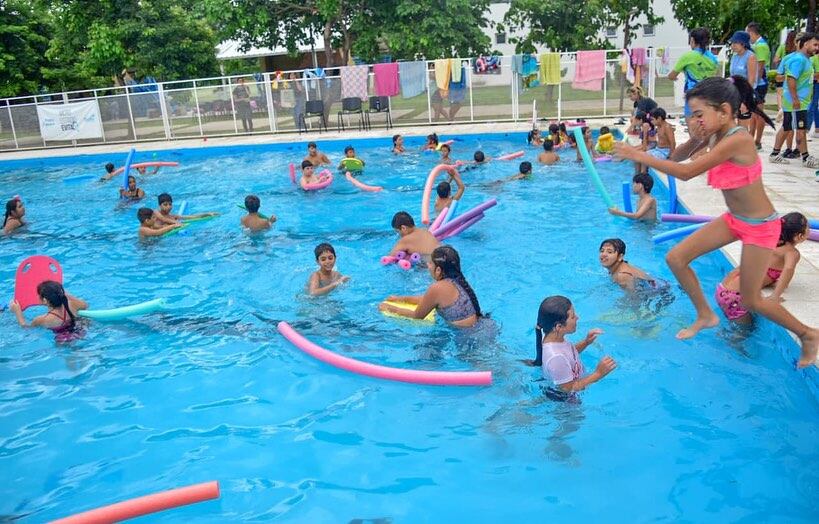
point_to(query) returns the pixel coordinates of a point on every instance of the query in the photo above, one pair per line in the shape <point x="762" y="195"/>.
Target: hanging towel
<point x="413" y="77"/>
<point x="386" y="79"/>
<point x="314" y="74"/>
<point x="457" y="71"/>
<point x="442" y="73"/>
<point x="638" y="56"/>
<point x="529" y="72"/>
<point x="550" y="69"/>
<point x="590" y="70"/>
<point x="460" y="84"/>
<point x="517" y="64"/>
<point x="354" y="81"/>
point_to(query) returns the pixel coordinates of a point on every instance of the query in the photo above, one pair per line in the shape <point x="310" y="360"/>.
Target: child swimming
<point x="559" y="358"/>
<point x="316" y="157"/>
<point x="148" y="226"/>
<point x="641" y="185"/>
<point x="325" y="279"/>
<point x="795" y="230"/>
<point x="444" y="190"/>
<point x="133" y="192"/>
<point x="627" y="276"/>
<point x="554" y="136"/>
<point x="450" y="294"/>
<point x="397" y="144"/>
<point x="734" y="167"/>
<point x="432" y="143"/>
<point x="524" y="171"/>
<point x="548" y="156"/>
<point x="13" y="219"/>
<point x="413" y="239"/>
<point x="445" y="151"/>
<point x="109" y="171"/>
<point x="346" y="162"/>
<point x="163" y="215"/>
<point x="534" y="138"/>
<point x="62" y="311"/>
<point x="252" y="220"/>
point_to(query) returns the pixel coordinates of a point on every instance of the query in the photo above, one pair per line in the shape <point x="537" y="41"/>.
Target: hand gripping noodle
<point x="127" y="168"/>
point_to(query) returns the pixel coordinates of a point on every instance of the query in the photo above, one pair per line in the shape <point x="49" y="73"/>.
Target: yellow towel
<point x="455" y="65"/>
<point x="442" y="73"/>
<point x="550" y="69"/>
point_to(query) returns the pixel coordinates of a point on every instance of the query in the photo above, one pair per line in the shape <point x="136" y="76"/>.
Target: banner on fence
<point x="70" y="121"/>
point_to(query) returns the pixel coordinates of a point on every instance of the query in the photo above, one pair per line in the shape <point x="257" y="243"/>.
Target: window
<point x="611" y="32"/>
<point x="648" y="30"/>
<point x="500" y="38"/>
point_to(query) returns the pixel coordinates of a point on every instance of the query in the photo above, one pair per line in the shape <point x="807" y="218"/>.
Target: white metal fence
<point x="206" y="107"/>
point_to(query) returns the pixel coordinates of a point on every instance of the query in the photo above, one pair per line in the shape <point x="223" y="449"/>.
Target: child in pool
<point x="480" y="158"/>
<point x="432" y="143"/>
<point x="316" y="157"/>
<point x="445" y="151"/>
<point x="648" y="137"/>
<point x="665" y="135"/>
<point x="444" y="190"/>
<point x="564" y="134"/>
<point x="627" y="276"/>
<point x="587" y="140"/>
<point x="163" y="215"/>
<point x="559" y="358"/>
<point x="349" y="155"/>
<point x="252" y="220"/>
<point x="148" y="226"/>
<point x="308" y="175"/>
<point x="413" y="239"/>
<point x="605" y="142"/>
<point x="397" y="144"/>
<point x="548" y="156"/>
<point x="795" y="230"/>
<point x="554" y="136"/>
<point x="133" y="192"/>
<point x="524" y="171"/>
<point x="326" y="278"/>
<point x="13" y="219"/>
<point x="641" y="185"/>
<point x="734" y="167"/>
<point x="109" y="171"/>
<point x="534" y="138"/>
<point x="62" y="311"/>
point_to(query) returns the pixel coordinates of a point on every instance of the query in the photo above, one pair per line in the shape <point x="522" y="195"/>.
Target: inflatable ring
<point x="325" y="179"/>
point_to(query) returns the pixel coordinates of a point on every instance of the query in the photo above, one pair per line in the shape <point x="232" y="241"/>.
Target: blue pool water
<point x="720" y="428"/>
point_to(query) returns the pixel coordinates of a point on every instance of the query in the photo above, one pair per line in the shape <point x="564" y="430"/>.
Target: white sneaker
<point x="811" y="162"/>
<point x="778" y="159"/>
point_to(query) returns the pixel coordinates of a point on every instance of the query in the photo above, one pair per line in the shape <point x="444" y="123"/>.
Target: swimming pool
<point x="717" y="428"/>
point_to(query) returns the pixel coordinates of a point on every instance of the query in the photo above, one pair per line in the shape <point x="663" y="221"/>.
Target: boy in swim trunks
<point x="148" y="227"/>
<point x="316" y="157"/>
<point x="524" y="171"/>
<point x="163" y="215"/>
<point x="413" y="239"/>
<point x="665" y="135"/>
<point x="253" y="220"/>
<point x="548" y="156"/>
<point x="641" y="185"/>
<point x="444" y="191"/>
<point x="326" y="278"/>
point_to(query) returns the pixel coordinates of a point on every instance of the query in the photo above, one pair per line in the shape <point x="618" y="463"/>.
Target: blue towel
<point x="413" y="76"/>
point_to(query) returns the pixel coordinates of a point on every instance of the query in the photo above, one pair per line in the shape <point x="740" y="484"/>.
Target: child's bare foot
<point x="810" y="345"/>
<point x="706" y="322"/>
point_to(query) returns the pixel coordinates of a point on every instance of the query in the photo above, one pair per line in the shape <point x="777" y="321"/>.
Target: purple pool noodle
<point x="460" y="219"/>
<point x="814" y="235"/>
<point x="439" y="220"/>
<point x="462" y="227"/>
<point x="688" y="219"/>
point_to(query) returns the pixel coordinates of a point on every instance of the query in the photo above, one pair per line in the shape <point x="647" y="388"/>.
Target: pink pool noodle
<point x="438" y="220"/>
<point x="687" y="219"/>
<point x="465" y="217"/>
<point x="31" y="273"/>
<point x="361" y="185"/>
<point x="413" y="376"/>
<point x="458" y="230"/>
<point x="511" y="156"/>
<point x="292" y="173"/>
<point x="146" y="164"/>
<point x="145" y="505"/>
<point x="325" y="179"/>
<point x="428" y="188"/>
<point x="404" y="264"/>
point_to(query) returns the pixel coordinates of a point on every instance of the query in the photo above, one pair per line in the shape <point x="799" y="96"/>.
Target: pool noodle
<point x="147" y="164"/>
<point x="325" y="179"/>
<point x="127" y="167"/>
<point x="672" y="194"/>
<point x="676" y="233"/>
<point x="627" y="198"/>
<point x="435" y="378"/>
<point x="438" y="220"/>
<point x="814" y="223"/>
<point x="688" y="219"/>
<point x="450" y="214"/>
<point x="428" y="188"/>
<point x="145" y="505"/>
<point x="361" y="185"/>
<point x="587" y="160"/>
<point x="292" y="173"/>
<point x="511" y="156"/>
<point x="463" y="227"/>
<point x="261" y="215"/>
<point x="78" y="178"/>
<point x="143" y="308"/>
<point x="182" y="207"/>
<point x="457" y="221"/>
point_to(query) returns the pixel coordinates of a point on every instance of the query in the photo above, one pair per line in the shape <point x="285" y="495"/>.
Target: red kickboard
<point x="30" y="273"/>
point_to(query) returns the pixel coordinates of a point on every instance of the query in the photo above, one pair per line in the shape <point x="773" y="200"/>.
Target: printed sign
<point x="70" y="121"/>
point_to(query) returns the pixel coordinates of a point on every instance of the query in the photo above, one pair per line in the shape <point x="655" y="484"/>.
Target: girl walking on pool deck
<point x="734" y="167"/>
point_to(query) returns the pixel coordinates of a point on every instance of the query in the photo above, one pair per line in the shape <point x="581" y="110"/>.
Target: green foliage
<point x="24" y="35"/>
<point x="723" y="17"/>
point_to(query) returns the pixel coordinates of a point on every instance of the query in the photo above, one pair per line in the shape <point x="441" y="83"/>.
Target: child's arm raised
<point x="591" y="336"/>
<point x="461" y="187"/>
<point x="791" y="259"/>
<point x="604" y="367"/>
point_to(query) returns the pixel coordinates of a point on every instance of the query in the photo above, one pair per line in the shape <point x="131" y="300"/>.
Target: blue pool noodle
<point x="672" y="194"/>
<point x="627" y="198"/>
<point x="587" y="160"/>
<point x="676" y="233"/>
<point x="450" y="214"/>
<point x="814" y="223"/>
<point x="127" y="168"/>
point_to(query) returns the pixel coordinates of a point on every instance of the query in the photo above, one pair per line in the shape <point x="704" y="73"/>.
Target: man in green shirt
<point x="697" y="64"/>
<point x="762" y="51"/>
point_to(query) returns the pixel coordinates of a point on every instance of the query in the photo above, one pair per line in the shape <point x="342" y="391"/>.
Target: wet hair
<point x="701" y="37"/>
<point x="109" y="167"/>
<point x="554" y="128"/>
<point x="479" y="156"/>
<point x="553" y="310"/>
<point x="11" y="207"/>
<point x="252" y="203"/>
<point x="554" y="132"/>
<point x="395" y="139"/>
<point x="311" y="144"/>
<point x="525" y="167"/>
<point x="348" y="149"/>
<point x="659" y="112"/>
<point x="443" y="189"/>
<point x="531" y="136"/>
<point x="54" y="294"/>
<point x="306" y="163"/>
<point x="733" y="91"/>
<point x="793" y="225"/>
<point x="804" y="38"/>
<point x="144" y="214"/>
<point x="433" y="138"/>
<point x="164" y="197"/>
<point x="402" y="218"/>
<point x="604" y="130"/>
<point x="131" y="177"/>
<point x="548" y="145"/>
<point x="322" y="248"/>
<point x="618" y="245"/>
<point x="446" y="258"/>
<point x="445" y="146"/>
<point x="753" y="26"/>
<point x="645" y="180"/>
<point x="562" y="128"/>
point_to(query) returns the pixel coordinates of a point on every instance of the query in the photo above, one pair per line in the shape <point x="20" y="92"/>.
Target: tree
<point x="24" y="36"/>
<point x="560" y="25"/>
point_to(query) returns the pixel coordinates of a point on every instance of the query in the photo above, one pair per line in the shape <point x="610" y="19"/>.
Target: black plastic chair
<point x="313" y="109"/>
<point x="379" y="104"/>
<point x="351" y="106"/>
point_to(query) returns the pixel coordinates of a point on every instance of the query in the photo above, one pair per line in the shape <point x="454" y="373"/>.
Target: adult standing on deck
<point x="697" y="64"/>
<point x="743" y="63"/>
<point x="762" y="52"/>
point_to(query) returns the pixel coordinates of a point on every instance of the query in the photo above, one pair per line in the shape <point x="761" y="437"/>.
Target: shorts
<point x="457" y="95"/>
<point x="764" y="235"/>
<point x="659" y="152"/>
<point x="730" y="302"/>
<point x="801" y="120"/>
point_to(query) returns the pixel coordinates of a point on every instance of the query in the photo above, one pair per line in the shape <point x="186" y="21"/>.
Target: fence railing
<point x="206" y="107"/>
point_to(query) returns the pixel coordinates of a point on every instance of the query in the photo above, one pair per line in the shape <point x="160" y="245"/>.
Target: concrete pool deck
<point x="790" y="187"/>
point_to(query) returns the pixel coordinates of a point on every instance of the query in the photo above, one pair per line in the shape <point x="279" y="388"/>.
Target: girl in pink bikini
<point x="62" y="312"/>
<point x="734" y="167"/>
<point x="795" y="230"/>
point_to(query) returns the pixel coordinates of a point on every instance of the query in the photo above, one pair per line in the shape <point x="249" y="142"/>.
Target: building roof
<point x="231" y="49"/>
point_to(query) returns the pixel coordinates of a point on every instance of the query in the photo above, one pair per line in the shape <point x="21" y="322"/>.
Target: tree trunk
<point x="328" y="47"/>
<point x="626" y="42"/>
<point x="811" y="16"/>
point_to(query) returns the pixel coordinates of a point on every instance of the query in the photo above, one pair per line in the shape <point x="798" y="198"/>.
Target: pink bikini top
<point x="729" y="175"/>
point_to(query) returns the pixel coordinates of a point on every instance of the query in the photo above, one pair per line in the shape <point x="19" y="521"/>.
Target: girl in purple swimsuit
<point x="61" y="317"/>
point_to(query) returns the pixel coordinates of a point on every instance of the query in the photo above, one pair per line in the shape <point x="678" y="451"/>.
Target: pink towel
<point x="386" y="79"/>
<point x="589" y="70"/>
<point x="638" y="56"/>
<point x="354" y="81"/>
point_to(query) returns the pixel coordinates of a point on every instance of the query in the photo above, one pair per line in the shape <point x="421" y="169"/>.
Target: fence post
<point x="65" y="101"/>
<point x="605" y="87"/>
<point x="38" y="121"/>
<point x="102" y="128"/>
<point x="198" y="109"/>
<point x="130" y="112"/>
<point x="11" y="122"/>
<point x="166" y="124"/>
<point x="652" y="73"/>
<point x="232" y="106"/>
<point x="271" y="111"/>
<point x="429" y="95"/>
<point x="469" y="79"/>
<point x="514" y="87"/>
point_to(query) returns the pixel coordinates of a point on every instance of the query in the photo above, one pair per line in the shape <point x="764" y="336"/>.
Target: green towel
<point x="550" y="69"/>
